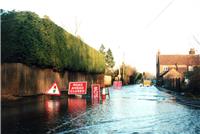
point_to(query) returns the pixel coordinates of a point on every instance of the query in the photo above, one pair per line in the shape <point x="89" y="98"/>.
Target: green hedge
<point x="29" y="39"/>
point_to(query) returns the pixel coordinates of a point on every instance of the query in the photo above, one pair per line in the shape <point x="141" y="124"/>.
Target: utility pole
<point x="123" y="64"/>
<point x="123" y="71"/>
<point x="119" y="75"/>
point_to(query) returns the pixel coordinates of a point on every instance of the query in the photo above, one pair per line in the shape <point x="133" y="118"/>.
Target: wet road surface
<point x="130" y="110"/>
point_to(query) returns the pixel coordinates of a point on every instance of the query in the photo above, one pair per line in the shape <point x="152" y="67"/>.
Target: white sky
<point x="133" y="28"/>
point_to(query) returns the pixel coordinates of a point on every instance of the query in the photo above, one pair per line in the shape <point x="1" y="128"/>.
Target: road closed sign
<point x="54" y="90"/>
<point x="77" y="88"/>
<point x="95" y="91"/>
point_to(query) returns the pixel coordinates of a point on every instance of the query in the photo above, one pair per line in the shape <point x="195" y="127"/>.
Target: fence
<point x="173" y="83"/>
<point x="21" y="80"/>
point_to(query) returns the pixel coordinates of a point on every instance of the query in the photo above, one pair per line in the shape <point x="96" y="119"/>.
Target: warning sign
<point x="95" y="91"/>
<point x="77" y="88"/>
<point x="54" y="90"/>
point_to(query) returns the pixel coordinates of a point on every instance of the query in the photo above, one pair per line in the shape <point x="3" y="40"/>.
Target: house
<point x="170" y="69"/>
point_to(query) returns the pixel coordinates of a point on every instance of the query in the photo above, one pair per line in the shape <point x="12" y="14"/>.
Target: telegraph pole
<point x="123" y="64"/>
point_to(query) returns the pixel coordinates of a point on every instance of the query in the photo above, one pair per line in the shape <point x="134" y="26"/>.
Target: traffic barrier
<point x="117" y="84"/>
<point x="103" y="96"/>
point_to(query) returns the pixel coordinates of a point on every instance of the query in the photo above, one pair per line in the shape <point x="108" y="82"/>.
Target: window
<point x="190" y="68"/>
<point x="165" y="68"/>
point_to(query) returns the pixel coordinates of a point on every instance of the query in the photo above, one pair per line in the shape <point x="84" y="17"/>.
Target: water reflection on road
<point x="132" y="109"/>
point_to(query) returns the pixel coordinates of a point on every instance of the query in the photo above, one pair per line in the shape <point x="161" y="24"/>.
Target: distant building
<point x="169" y="68"/>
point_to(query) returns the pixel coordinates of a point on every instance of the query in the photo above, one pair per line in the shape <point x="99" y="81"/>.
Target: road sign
<point x="95" y="91"/>
<point x="77" y="88"/>
<point x="117" y="84"/>
<point x="54" y="90"/>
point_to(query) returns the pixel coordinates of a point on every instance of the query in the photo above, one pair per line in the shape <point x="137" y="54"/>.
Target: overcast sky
<point x="133" y="29"/>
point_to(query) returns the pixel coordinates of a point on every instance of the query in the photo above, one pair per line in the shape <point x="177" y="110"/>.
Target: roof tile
<point x="179" y="59"/>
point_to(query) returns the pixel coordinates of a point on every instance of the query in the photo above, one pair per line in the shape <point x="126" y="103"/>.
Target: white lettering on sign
<point x="77" y="88"/>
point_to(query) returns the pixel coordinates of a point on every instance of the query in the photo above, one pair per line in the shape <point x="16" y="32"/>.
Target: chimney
<point x="192" y="51"/>
<point x="158" y="52"/>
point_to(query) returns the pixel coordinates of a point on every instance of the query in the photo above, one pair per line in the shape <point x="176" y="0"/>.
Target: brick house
<point x="170" y="69"/>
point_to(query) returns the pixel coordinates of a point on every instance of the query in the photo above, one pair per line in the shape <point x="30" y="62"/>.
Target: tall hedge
<point x="29" y="39"/>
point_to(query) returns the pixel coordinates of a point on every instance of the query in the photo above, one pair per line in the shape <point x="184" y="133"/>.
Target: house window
<point x="190" y="68"/>
<point x="165" y="68"/>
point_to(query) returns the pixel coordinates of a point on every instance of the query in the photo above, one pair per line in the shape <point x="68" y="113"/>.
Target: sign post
<point x="77" y="88"/>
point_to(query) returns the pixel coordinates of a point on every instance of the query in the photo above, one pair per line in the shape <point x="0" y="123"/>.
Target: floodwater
<point x="130" y="110"/>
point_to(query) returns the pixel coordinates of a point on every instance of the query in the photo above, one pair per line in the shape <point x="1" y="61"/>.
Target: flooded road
<point x="130" y="110"/>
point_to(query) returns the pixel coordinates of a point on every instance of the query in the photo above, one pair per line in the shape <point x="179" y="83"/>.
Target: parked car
<point x="147" y="83"/>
